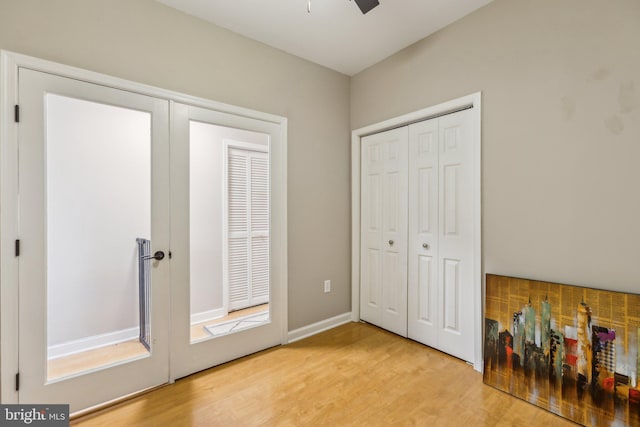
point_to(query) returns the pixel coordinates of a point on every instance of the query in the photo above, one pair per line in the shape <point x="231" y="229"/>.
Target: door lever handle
<point x="159" y="255"/>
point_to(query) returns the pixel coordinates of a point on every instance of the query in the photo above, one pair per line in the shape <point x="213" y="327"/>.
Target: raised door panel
<point x="451" y="296"/>
<point x="372" y="279"/>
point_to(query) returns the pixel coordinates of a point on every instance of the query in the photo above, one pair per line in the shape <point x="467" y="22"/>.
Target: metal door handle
<point x="425" y="245"/>
<point x="159" y="255"/>
<point x="391" y="242"/>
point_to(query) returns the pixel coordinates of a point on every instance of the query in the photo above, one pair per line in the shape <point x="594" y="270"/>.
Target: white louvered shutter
<point x="259" y="227"/>
<point x="248" y="233"/>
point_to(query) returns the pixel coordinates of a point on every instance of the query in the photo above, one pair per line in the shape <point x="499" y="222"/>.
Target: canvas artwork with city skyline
<point x="568" y="349"/>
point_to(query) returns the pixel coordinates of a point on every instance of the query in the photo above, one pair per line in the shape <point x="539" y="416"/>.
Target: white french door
<point x="383" y="293"/>
<point x="220" y="251"/>
<point x="93" y="175"/>
<point x="115" y="228"/>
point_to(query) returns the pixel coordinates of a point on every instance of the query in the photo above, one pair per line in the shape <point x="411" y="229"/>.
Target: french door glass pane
<point x="98" y="201"/>
<point x="229" y="229"/>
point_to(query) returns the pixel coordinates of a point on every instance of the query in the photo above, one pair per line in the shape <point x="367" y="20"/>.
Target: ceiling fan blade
<point x="366" y="5"/>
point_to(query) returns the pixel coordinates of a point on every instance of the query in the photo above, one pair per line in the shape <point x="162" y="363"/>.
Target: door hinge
<point x="18" y="381"/>
<point x="16" y="113"/>
<point x="18" y="247"/>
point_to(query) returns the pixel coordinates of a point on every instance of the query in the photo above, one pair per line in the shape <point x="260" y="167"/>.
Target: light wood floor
<point x="353" y="375"/>
<point x="96" y="358"/>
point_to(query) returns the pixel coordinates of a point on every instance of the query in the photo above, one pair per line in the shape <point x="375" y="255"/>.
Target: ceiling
<point x="335" y="34"/>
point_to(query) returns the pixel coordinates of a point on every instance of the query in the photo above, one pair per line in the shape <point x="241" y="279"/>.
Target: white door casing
<point x="384" y="230"/>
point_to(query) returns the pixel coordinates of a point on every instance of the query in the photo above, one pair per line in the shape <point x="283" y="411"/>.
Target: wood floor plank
<point x="353" y="375"/>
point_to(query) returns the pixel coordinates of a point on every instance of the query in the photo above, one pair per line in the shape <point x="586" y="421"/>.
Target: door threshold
<point x="87" y="412"/>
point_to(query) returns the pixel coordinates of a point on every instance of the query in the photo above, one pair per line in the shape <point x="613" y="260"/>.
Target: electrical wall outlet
<point x="327" y="286"/>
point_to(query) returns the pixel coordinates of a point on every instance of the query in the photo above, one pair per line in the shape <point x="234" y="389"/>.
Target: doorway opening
<point x="229" y="229"/>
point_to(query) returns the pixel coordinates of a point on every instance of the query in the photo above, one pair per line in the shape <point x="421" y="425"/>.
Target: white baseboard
<point x="316" y="328"/>
<point x="96" y="341"/>
<point x="205" y="316"/>
<point x="89" y="343"/>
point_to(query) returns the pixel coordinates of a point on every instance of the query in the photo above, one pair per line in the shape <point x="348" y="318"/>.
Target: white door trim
<point x="10" y="62"/>
<point x="8" y="231"/>
<point x="473" y="100"/>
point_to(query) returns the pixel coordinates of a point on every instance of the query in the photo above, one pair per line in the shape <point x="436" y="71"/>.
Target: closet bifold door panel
<point x="383" y="294"/>
<point x="423" y="261"/>
<point x="440" y="259"/>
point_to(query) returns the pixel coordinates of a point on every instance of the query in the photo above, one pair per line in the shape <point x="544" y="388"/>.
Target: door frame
<point x="10" y="62"/>
<point x="473" y="100"/>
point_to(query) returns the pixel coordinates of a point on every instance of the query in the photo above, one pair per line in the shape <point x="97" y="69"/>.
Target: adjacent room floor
<point x="95" y="358"/>
<point x="353" y="375"/>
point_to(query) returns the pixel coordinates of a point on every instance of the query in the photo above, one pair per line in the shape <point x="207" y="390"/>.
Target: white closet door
<point x="383" y="295"/>
<point x="423" y="262"/>
<point x="440" y="284"/>
<point x="248" y="245"/>
<point x="455" y="275"/>
<point x="238" y="243"/>
<point x="259" y="198"/>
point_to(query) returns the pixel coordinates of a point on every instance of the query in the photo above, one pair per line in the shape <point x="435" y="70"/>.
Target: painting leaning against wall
<point x="568" y="349"/>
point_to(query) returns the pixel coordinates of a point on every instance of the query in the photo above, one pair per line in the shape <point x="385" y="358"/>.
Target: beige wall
<point x="144" y="41"/>
<point x="561" y="130"/>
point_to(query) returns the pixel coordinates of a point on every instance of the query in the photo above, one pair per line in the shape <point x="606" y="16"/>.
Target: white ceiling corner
<point x="335" y="34"/>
